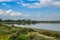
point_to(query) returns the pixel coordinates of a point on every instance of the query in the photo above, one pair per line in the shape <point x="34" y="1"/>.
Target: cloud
<point x="50" y="3"/>
<point x="31" y="0"/>
<point x="38" y="15"/>
<point x="35" y="3"/>
<point x="15" y="14"/>
<point x="10" y="12"/>
<point x="57" y="4"/>
<point x="41" y="3"/>
<point x="18" y="2"/>
<point x="26" y="15"/>
<point x="6" y="0"/>
<point x="28" y="5"/>
<point x="1" y="12"/>
<point x="4" y="4"/>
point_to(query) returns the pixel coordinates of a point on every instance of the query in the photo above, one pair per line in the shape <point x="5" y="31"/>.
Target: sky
<point x="30" y="9"/>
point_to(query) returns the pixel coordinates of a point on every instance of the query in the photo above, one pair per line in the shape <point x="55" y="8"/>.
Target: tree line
<point x="27" y="21"/>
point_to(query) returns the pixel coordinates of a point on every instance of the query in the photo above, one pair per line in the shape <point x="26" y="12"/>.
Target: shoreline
<point x="13" y="31"/>
<point x="38" y="29"/>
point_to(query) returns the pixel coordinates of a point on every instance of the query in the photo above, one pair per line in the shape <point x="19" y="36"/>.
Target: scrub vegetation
<point x="19" y="33"/>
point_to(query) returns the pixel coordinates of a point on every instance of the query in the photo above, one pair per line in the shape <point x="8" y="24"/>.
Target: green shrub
<point x="22" y="37"/>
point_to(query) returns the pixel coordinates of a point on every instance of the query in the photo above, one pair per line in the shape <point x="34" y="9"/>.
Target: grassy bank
<point x="16" y="33"/>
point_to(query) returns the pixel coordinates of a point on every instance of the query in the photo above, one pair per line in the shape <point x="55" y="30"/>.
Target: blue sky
<point x="30" y="9"/>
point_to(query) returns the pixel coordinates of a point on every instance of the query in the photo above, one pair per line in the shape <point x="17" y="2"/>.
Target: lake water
<point x="47" y="26"/>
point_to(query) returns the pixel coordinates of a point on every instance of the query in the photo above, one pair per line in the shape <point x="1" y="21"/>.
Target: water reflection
<point x="47" y="26"/>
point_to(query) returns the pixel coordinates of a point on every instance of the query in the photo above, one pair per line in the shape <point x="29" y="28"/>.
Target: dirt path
<point x="36" y="33"/>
